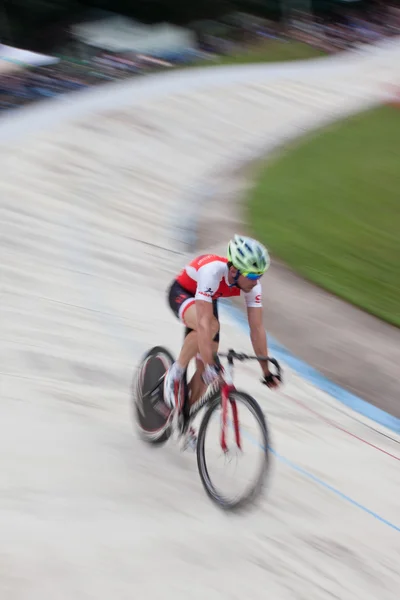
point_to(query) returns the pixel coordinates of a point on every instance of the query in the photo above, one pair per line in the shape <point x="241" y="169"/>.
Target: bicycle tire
<point x="151" y="425"/>
<point x="256" y="490"/>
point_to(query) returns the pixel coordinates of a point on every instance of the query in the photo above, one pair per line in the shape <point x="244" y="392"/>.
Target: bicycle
<point x="155" y="425"/>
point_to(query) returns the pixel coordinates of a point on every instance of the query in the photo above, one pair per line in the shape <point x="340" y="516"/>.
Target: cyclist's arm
<point x="258" y="334"/>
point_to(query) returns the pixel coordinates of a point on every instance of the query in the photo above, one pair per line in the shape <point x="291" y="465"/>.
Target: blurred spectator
<point x="334" y="34"/>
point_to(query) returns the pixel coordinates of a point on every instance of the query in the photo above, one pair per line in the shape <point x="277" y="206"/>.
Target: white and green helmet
<point x="248" y="255"/>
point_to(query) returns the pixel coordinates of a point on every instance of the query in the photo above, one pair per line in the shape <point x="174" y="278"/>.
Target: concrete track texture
<point x="91" y="199"/>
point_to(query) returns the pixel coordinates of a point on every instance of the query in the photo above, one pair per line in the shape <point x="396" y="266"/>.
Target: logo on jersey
<point x="208" y="292"/>
<point x="258" y="299"/>
<point x="204" y="257"/>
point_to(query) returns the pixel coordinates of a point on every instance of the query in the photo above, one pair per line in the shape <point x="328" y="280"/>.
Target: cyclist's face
<point x="243" y="283"/>
<point x="246" y="284"/>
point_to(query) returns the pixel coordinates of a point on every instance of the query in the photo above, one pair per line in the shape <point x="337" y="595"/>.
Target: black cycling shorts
<point x="180" y="299"/>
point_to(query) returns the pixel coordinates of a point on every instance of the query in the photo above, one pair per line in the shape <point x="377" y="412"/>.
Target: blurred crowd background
<point x="102" y="46"/>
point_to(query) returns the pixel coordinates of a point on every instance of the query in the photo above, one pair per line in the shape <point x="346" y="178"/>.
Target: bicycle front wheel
<point x="250" y="442"/>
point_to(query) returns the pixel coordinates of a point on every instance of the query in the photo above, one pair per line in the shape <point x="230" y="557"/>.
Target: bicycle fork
<point x="227" y="388"/>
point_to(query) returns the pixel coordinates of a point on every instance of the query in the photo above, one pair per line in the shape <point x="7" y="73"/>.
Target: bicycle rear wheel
<point x="149" y="410"/>
<point x="256" y="437"/>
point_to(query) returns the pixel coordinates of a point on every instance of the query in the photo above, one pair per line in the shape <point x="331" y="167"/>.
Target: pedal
<point x="175" y="424"/>
<point x="189" y="441"/>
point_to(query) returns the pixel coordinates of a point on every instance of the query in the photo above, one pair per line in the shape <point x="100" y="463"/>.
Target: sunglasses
<point x="252" y="276"/>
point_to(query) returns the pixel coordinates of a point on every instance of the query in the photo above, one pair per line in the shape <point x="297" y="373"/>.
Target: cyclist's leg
<point x="196" y="385"/>
<point x="182" y="303"/>
<point x="190" y="346"/>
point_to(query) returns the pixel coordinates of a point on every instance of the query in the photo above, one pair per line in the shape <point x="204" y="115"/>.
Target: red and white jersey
<point x="206" y="277"/>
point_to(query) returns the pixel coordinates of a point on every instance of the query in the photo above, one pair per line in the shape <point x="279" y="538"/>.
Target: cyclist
<point x="193" y="297"/>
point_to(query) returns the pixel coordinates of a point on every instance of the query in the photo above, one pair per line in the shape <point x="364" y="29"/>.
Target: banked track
<point x="92" y="201"/>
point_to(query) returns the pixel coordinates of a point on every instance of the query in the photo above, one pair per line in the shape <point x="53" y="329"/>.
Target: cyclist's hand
<point x="271" y="381"/>
<point x="211" y="374"/>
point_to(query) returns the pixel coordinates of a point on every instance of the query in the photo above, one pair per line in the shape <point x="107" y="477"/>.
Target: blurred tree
<point x="39" y="24"/>
<point x="29" y="19"/>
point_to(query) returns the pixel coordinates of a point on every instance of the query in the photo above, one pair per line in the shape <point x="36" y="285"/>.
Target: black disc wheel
<point x="150" y="413"/>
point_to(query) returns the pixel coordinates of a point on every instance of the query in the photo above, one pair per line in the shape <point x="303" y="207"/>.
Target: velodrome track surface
<point x="89" y="238"/>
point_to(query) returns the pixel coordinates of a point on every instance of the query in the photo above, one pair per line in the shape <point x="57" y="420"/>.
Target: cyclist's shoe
<point x="173" y="388"/>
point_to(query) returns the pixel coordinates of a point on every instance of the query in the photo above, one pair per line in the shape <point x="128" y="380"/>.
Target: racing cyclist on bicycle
<point x="193" y="298"/>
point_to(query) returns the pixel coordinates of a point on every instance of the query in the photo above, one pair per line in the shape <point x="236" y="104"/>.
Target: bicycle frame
<point x="224" y="387"/>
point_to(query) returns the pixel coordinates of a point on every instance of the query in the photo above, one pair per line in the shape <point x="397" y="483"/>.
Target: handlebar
<point x="231" y="355"/>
